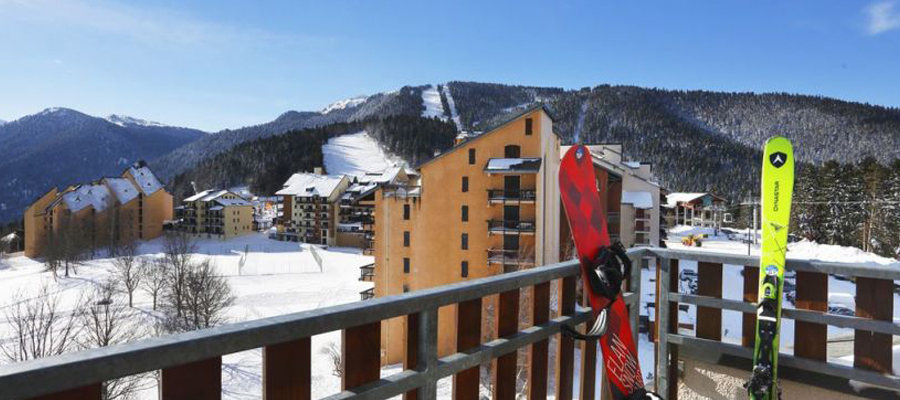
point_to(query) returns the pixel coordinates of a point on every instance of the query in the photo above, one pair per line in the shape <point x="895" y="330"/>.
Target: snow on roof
<point x="90" y="195"/>
<point x="640" y="200"/>
<point x="207" y="195"/>
<point x="145" y="179"/>
<point x="216" y="208"/>
<point x="632" y="164"/>
<point x="305" y="184"/>
<point x="513" y="164"/>
<point x="9" y="238"/>
<point x="672" y="199"/>
<point x="122" y="188"/>
<point x="233" y="202"/>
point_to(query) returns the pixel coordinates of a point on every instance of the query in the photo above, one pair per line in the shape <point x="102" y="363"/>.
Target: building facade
<point x="487" y="206"/>
<point x="215" y="213"/>
<point x="310" y="208"/>
<point x="112" y="210"/>
<point x="695" y="209"/>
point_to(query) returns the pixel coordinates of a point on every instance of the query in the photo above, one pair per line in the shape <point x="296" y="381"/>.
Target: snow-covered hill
<point x="431" y="99"/>
<point x="357" y="154"/>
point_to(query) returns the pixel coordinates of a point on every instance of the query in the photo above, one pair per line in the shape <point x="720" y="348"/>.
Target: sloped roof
<point x="640" y="200"/>
<point x="94" y="195"/>
<point x="146" y="180"/>
<point x="207" y="195"/>
<point x="122" y="188"/>
<point x="672" y="199"/>
<point x="503" y="122"/>
<point x="233" y="202"/>
<point x="305" y="184"/>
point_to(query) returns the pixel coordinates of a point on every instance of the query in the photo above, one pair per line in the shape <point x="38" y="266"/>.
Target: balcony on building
<point x="509" y="258"/>
<point x="367" y="273"/>
<point x="402" y="191"/>
<point x="510" y="227"/>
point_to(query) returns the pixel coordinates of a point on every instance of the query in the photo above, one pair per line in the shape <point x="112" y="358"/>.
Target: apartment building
<point x="695" y="209"/>
<point x="112" y="210"/>
<point x="310" y="207"/>
<point x="487" y="206"/>
<point x="215" y="213"/>
<point x="356" y="225"/>
<point x="629" y="196"/>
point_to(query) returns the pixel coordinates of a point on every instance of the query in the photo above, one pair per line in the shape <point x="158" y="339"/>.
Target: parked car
<point x="687" y="275"/>
<point x="840" y="309"/>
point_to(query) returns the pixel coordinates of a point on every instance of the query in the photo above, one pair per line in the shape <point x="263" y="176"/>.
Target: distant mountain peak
<point x="59" y="111"/>
<point x="344" y="104"/>
<point x="124" y="120"/>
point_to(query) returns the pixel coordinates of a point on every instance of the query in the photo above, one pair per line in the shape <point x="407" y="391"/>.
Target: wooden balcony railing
<point x="367" y="273"/>
<point x="511" y="195"/>
<point x="873" y="323"/>
<point x="191" y="363"/>
<point x="510" y="227"/>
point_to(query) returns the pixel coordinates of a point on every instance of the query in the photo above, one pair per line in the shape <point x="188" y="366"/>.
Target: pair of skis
<point x="602" y="265"/>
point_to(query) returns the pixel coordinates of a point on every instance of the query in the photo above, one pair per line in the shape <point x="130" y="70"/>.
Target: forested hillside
<point x="406" y="101"/>
<point x="697" y="140"/>
<point x="265" y="164"/>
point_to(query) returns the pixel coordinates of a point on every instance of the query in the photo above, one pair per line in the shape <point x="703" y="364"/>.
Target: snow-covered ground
<point x="356" y="154"/>
<point x="432" y="101"/>
<point x="278" y="278"/>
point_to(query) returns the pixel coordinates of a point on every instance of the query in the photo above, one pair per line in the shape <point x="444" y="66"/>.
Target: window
<point x="465" y="184"/>
<point x="471" y="156"/>
<point x="464" y="269"/>
<point x="512" y="151"/>
<point x="465" y="213"/>
<point x="406" y="239"/>
<point x="405" y="288"/>
<point x="528" y="126"/>
<point x="406" y="265"/>
<point x="465" y="241"/>
<point x="406" y="211"/>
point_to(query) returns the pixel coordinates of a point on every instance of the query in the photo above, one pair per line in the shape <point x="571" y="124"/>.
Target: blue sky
<point x="225" y="64"/>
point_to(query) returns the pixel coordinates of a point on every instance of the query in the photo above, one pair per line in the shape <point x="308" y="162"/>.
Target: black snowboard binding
<point x="643" y="394"/>
<point x="611" y="266"/>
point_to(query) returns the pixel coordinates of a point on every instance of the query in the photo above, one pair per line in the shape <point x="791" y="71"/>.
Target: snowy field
<point x="278" y="278"/>
<point x="431" y="99"/>
<point x="356" y="154"/>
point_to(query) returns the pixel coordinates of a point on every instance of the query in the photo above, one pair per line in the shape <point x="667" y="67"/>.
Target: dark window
<point x="464" y="269"/>
<point x="405" y="288"/>
<point x="465" y="241"/>
<point x="528" y="126"/>
<point x="471" y="156"/>
<point x="406" y="211"/>
<point x="405" y="265"/>
<point x="465" y="213"/>
<point x="512" y="151"/>
<point x="465" y="184"/>
<point x="406" y="239"/>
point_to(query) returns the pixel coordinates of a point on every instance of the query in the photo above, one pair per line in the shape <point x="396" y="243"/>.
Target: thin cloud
<point x="148" y="25"/>
<point x="882" y="17"/>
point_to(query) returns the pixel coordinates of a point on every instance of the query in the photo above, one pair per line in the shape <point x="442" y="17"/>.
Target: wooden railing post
<point x="201" y="380"/>
<point x="89" y="392"/>
<point x="537" y="360"/>
<point x="709" y="283"/>
<point x="505" y="366"/>
<point x="874" y="300"/>
<point x="566" y="350"/>
<point x="411" y="351"/>
<point x="361" y="352"/>
<point x="468" y="335"/>
<point x="286" y="371"/>
<point x="667" y="314"/>
<point x="751" y="295"/>
<point x="811" y="339"/>
<point x="426" y="351"/>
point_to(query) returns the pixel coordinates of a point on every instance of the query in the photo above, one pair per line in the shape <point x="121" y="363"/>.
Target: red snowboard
<point x="578" y="187"/>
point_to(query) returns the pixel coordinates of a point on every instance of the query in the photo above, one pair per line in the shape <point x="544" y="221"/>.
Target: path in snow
<point x="453" y="114"/>
<point x="431" y="99"/>
<point x="356" y="154"/>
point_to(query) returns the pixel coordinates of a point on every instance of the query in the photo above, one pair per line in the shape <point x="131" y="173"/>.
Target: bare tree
<point x="337" y="360"/>
<point x="204" y="297"/>
<point x="129" y="268"/>
<point x="179" y="249"/>
<point x="104" y="322"/>
<point x="39" y="327"/>
<point x="154" y="274"/>
<point x="67" y="247"/>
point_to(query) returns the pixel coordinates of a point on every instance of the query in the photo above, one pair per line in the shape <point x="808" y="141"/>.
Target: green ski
<point x="777" y="187"/>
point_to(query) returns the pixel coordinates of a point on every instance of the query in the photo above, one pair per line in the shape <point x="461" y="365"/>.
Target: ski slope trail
<point x="357" y="154"/>
<point x="431" y="99"/>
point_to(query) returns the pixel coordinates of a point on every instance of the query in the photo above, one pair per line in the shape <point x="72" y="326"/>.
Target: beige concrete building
<point x="112" y="210"/>
<point x="695" y="209"/>
<point x="310" y="208"/>
<point x="215" y="213"/>
<point x="487" y="206"/>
